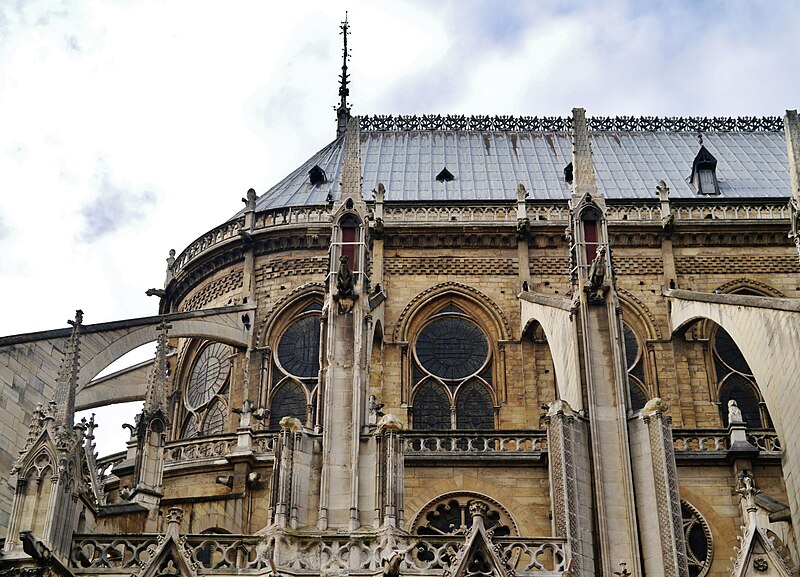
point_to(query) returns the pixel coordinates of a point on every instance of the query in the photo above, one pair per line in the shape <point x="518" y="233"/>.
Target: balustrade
<point x="460" y="443"/>
<point x="712" y="442"/>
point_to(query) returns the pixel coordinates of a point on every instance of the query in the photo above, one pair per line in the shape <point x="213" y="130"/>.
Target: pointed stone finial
<point x="174" y="520"/>
<point x="583" y="177"/>
<point x="156" y="399"/>
<point x="67" y="381"/>
<point x="343" y="110"/>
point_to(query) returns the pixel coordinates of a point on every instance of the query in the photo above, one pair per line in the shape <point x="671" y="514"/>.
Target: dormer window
<point x="445" y="176"/>
<point x="704" y="172"/>
<point x="317" y="175"/>
<point x="568" y="173"/>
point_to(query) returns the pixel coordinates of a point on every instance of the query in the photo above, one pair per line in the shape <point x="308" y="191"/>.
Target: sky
<point x="130" y="128"/>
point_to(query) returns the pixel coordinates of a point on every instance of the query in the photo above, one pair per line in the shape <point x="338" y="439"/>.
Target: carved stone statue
<point x="597" y="274"/>
<point x="734" y="413"/>
<point x="653" y="406"/>
<point x="345" y="281"/>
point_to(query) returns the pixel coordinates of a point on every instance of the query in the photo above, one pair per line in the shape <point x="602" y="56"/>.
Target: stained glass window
<point x="452" y="348"/>
<point x="431" y="407"/>
<point x="208" y="375"/>
<point x="698" y="540"/>
<point x="736" y="381"/>
<point x="635" y="366"/>
<point x="205" y="396"/>
<point x="289" y="401"/>
<point x="298" y="348"/>
<point x="474" y="407"/>
<point x="214" y="422"/>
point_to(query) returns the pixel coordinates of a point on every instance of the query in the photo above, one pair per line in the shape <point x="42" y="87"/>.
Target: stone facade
<point x="366" y="386"/>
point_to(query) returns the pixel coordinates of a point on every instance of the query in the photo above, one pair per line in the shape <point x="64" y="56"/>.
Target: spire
<point x="156" y="399"/>
<point x="343" y="110"/>
<point x="67" y="381"/>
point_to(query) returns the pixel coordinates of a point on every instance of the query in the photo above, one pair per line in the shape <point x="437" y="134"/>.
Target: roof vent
<point x="568" y="173"/>
<point x="445" y="176"/>
<point x="704" y="172"/>
<point x="317" y="175"/>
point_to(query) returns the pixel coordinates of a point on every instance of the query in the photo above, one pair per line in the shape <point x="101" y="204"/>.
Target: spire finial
<point x="343" y="111"/>
<point x="67" y="381"/>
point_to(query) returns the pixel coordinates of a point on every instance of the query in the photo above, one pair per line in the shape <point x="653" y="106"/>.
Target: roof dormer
<point x="704" y="172"/>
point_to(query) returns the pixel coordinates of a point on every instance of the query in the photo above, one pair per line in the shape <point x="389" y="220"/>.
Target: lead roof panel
<point x="489" y="164"/>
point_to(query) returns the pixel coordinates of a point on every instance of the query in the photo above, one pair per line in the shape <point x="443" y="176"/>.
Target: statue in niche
<point x="345" y="281"/>
<point x="597" y="274"/>
<point x="734" y="413"/>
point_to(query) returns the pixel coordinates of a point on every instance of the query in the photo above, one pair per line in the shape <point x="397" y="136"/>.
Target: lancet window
<point x="735" y="381"/>
<point x="452" y="374"/>
<point x="634" y="360"/>
<point x="205" y="396"/>
<point x="294" y="370"/>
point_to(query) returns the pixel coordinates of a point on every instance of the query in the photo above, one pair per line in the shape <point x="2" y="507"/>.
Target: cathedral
<point x="444" y="346"/>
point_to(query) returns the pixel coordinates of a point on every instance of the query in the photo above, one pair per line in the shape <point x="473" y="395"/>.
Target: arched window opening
<point x="431" y="408"/>
<point x="634" y="360"/>
<point x="295" y="365"/>
<point x="449" y="515"/>
<point x="452" y="371"/>
<point x="209" y="553"/>
<point x="590" y="218"/>
<point x="735" y="381"/>
<point x="349" y="226"/>
<point x="288" y="401"/>
<point x="206" y="391"/>
<point x="474" y="409"/>
<point x="699" y="547"/>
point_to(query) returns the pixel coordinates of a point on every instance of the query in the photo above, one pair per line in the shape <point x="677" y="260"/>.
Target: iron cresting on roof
<point x="564" y="123"/>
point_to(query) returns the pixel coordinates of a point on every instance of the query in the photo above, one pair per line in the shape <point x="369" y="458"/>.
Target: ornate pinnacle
<point x="343" y="110"/>
<point x="157" y="387"/>
<point x="67" y="381"/>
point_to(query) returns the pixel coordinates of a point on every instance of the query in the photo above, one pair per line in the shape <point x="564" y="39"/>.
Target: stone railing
<point x="312" y="555"/>
<point x="466" y="444"/>
<point x="715" y="442"/>
<point x="210" y="239"/>
<point x="477" y="214"/>
<point x="779" y="210"/>
<point x="187" y="451"/>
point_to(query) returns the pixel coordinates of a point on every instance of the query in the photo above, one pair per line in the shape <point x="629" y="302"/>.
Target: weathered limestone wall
<point x="523" y="491"/>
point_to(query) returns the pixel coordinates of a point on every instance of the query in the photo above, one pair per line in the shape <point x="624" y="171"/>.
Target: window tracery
<point x="735" y="381"/>
<point x="206" y="391"/>
<point x="634" y="362"/>
<point x="294" y="366"/>
<point x="699" y="546"/>
<point x="449" y="515"/>
<point x="452" y="373"/>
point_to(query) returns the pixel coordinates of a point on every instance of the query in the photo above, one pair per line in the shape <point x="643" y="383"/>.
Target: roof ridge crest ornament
<point x="401" y="123"/>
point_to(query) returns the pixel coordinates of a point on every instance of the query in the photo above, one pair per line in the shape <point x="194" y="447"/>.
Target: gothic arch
<point x="297" y="294"/>
<point x="502" y="327"/>
<point x="463" y="497"/>
<point x="754" y="285"/>
<point x="641" y="316"/>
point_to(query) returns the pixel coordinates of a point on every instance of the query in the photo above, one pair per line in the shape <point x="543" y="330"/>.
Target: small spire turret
<point x="67" y="382"/>
<point x="156" y="399"/>
<point x="343" y="110"/>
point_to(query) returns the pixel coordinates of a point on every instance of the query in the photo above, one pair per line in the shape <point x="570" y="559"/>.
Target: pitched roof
<point x="490" y="156"/>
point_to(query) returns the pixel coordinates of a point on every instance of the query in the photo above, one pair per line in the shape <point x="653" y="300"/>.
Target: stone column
<point x="655" y="478"/>
<point x="570" y="485"/>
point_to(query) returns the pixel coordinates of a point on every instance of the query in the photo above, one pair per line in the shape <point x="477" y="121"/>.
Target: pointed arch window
<point x="735" y="381"/>
<point x="634" y="361"/>
<point x="294" y="366"/>
<point x="206" y="391"/>
<point x="452" y="374"/>
<point x="699" y="546"/>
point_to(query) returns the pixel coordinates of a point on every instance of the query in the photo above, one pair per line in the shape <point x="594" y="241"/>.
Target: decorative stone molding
<point x="643" y="313"/>
<point x="456" y="288"/>
<point x="748" y="283"/>
<point x="304" y="290"/>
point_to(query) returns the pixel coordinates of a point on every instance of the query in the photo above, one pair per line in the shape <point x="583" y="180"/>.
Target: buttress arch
<point x="767" y="331"/>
